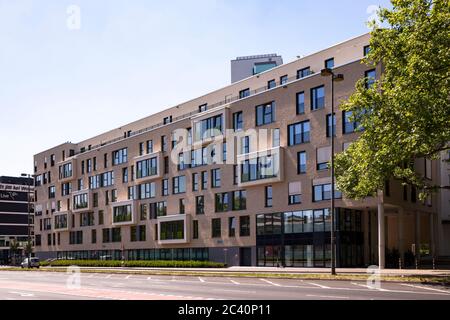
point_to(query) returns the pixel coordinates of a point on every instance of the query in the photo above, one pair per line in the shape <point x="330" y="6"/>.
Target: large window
<point x="216" y="178"/>
<point x="216" y="228"/>
<point x="147" y="191"/>
<point x="200" y="205"/>
<point x="269" y="224"/>
<point x="331" y="125"/>
<point x="65" y="171"/>
<point x="80" y="201"/>
<point x="259" y="169"/>
<point x="244" y="93"/>
<point x="239" y="200"/>
<point x="300" y="103"/>
<point x="209" y="128"/>
<point x="244" y="226"/>
<point x="238" y="121"/>
<point x="172" y="230"/>
<point x="122" y="214"/>
<point x="137" y="233"/>
<point x="51" y="192"/>
<point x="179" y="184"/>
<point x="120" y="156"/>
<point x="318" y="98"/>
<point x="87" y="219"/>
<point x="61" y="222"/>
<point x="147" y="168"/>
<point x="265" y="114"/>
<point x="323" y="192"/>
<point x="371" y="76"/>
<point x="222" y="202"/>
<point x="303" y="72"/>
<point x="299" y="133"/>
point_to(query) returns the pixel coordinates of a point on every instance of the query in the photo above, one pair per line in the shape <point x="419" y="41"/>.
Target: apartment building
<point x="14" y="193"/>
<point x="246" y="184"/>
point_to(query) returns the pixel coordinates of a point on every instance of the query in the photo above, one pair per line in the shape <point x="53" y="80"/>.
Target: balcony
<point x="148" y="167"/>
<point x="61" y="221"/>
<point x="261" y="167"/>
<point x="82" y="201"/>
<point x="174" y="229"/>
<point x="210" y="125"/>
<point x="67" y="170"/>
<point x="123" y="213"/>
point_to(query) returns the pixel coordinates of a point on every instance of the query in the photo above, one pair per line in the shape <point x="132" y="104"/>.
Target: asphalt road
<point x="61" y="286"/>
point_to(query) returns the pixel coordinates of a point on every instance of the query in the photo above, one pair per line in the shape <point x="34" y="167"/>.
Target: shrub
<point x="133" y="264"/>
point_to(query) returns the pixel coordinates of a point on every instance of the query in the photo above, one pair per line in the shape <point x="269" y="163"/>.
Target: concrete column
<point x="401" y="233"/>
<point x="381" y="232"/>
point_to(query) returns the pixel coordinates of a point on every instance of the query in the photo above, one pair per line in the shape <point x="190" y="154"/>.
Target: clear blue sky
<point x="133" y="58"/>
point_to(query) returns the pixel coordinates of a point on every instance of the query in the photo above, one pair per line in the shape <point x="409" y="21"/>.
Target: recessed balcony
<point x="148" y="167"/>
<point x="261" y="167"/>
<point x="210" y="125"/>
<point x="123" y="213"/>
<point x="174" y="229"/>
<point x="61" y="221"/>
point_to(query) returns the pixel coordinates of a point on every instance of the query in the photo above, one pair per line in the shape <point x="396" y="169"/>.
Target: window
<point x="131" y="193"/>
<point x="200" y="205"/>
<point x="86" y="219"/>
<point x="93" y="236"/>
<point x="166" y="165"/>
<point x="221" y="202"/>
<point x="318" y="98"/>
<point x="245" y="145"/>
<point x="114" y="195"/>
<point x="65" y="171"/>
<point x="244" y="226"/>
<point x="89" y="165"/>
<point x="271" y="84"/>
<point x="137" y="233"/>
<point x="268" y="197"/>
<point x="164" y="144"/>
<point x="76" y="237"/>
<point x="209" y="128"/>
<point x="147" y="191"/>
<point x="239" y="200"/>
<point x="149" y="146"/>
<point x="101" y="217"/>
<point x="299" y="133"/>
<point x="350" y="125"/>
<point x="203" y="108"/>
<point x="195" y="229"/>
<point x="276" y="140"/>
<point x="428" y="169"/>
<point x="61" y="222"/>
<point x="143" y="212"/>
<point x="120" y="156"/>
<point x="66" y="189"/>
<point x="107" y="179"/>
<point x="173" y="230"/>
<point x="371" y="76"/>
<point x="122" y="214"/>
<point x="125" y="175"/>
<point x="52" y="160"/>
<point x="265" y="114"/>
<point x="165" y="187"/>
<point x="147" y="168"/>
<point x="366" y="50"/>
<point x="95" y="163"/>
<point x="167" y="120"/>
<point x="105" y="160"/>
<point x="301" y="162"/>
<point x="52" y="192"/>
<point x="300" y="103"/>
<point x="295" y="192"/>
<point x="238" y="121"/>
<point x="204" y="180"/>
<point x="182" y="165"/>
<point x="216" y="228"/>
<point x="303" y="73"/>
<point x="195" y="182"/>
<point x="244" y="93"/>
<point x="323" y="192"/>
<point x="323" y="158"/>
<point x="261" y="168"/>
<point x="283" y="80"/>
<point x="215" y="178"/>
<point x="329" y="63"/>
<point x="232" y="222"/>
<point x="179" y="184"/>
<point x="182" y="206"/>
<point x="331" y="125"/>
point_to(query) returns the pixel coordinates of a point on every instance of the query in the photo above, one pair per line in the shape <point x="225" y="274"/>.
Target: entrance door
<point x="245" y="257"/>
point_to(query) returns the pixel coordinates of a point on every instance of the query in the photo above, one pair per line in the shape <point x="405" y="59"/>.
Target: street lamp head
<point x="339" y="77"/>
<point x="326" y="72"/>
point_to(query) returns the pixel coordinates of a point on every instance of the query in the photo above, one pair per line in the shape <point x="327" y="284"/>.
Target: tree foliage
<point x="406" y="114"/>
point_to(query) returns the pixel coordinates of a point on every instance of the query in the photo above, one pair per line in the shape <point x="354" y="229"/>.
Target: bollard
<point x="434" y="263"/>
<point x="417" y="263"/>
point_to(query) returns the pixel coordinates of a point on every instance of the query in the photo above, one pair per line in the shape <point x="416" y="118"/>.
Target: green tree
<point x="406" y="113"/>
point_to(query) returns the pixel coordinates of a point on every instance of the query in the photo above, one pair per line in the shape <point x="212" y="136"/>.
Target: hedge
<point x="133" y="264"/>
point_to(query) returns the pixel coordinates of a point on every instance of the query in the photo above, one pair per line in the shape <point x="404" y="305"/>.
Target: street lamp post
<point x="334" y="78"/>
<point x="29" y="246"/>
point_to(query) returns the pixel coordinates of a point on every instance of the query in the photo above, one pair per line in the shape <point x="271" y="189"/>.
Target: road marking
<point x="369" y="287"/>
<point x="318" y="285"/>
<point x="270" y="282"/>
<point x="327" y="297"/>
<point x="22" y="294"/>
<point x="128" y="277"/>
<point x="235" y="282"/>
<point x="107" y="277"/>
<point x="201" y="280"/>
<point x="425" y="288"/>
<point x="149" y="278"/>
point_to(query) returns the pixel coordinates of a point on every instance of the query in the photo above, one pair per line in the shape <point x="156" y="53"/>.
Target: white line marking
<point x="369" y="287"/>
<point x="22" y="294"/>
<point x="270" y="282"/>
<point x="149" y="278"/>
<point x="107" y="277"/>
<point x="235" y="282"/>
<point x="318" y="285"/>
<point x="201" y="280"/>
<point x="425" y="288"/>
<point x="128" y="277"/>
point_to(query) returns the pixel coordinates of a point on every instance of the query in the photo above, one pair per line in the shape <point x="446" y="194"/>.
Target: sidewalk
<point x="287" y="271"/>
